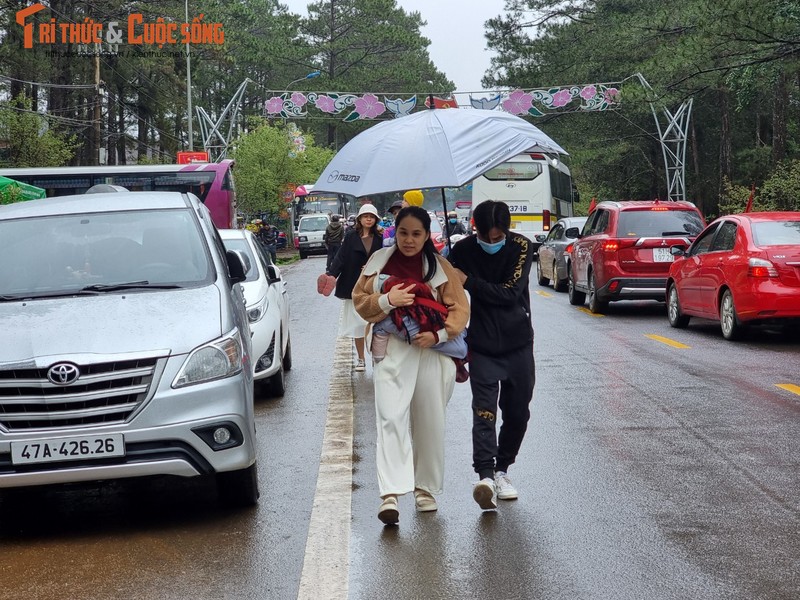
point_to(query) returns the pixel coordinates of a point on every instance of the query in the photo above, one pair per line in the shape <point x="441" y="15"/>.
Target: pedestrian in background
<point x="494" y="267"/>
<point x="388" y="232"/>
<point x="269" y="238"/>
<point x="361" y="242"/>
<point x="334" y="234"/>
<point x="413" y="383"/>
<point x="453" y="226"/>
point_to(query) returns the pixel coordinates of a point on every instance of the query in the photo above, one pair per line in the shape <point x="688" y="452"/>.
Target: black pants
<point x="506" y="381"/>
<point x="333" y="248"/>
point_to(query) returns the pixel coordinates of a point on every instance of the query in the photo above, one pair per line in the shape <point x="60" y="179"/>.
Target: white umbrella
<point x="429" y="149"/>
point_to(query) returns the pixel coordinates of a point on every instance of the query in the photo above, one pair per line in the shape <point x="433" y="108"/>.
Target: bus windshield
<point x="537" y="189"/>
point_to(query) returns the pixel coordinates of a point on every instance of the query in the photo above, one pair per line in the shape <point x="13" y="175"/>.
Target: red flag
<point x="750" y="199"/>
<point x="592" y="205"/>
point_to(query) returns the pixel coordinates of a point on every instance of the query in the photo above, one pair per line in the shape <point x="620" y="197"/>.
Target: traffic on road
<point x="659" y="462"/>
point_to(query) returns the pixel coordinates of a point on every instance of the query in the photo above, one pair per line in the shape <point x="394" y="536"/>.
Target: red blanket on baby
<point x="427" y="312"/>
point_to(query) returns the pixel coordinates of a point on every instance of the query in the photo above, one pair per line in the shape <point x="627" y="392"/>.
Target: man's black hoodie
<point x="500" y="304"/>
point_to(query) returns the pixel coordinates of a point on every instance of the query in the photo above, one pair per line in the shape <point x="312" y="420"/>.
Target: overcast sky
<point x="456" y="31"/>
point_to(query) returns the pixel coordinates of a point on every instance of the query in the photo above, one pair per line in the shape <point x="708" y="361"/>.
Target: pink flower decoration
<point x="561" y="98"/>
<point x="369" y="107"/>
<point x="274" y="105"/>
<point x="518" y="102"/>
<point x="325" y="104"/>
<point x="299" y="99"/>
<point x="611" y="95"/>
<point x="588" y="92"/>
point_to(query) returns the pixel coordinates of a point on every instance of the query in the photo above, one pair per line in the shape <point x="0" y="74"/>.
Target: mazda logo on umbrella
<point x="63" y="373"/>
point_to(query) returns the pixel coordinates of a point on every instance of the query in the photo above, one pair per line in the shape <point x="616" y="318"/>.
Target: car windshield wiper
<point x="132" y="285"/>
<point x="674" y="233"/>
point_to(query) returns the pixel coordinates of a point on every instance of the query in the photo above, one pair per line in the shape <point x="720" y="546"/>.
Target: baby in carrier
<point x="424" y="315"/>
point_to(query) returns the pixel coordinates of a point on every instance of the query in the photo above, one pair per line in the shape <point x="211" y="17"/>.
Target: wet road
<point x="658" y="464"/>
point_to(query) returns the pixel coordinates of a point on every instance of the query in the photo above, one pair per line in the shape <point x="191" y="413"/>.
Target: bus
<point x="311" y="202"/>
<point x="537" y="188"/>
<point x="211" y="182"/>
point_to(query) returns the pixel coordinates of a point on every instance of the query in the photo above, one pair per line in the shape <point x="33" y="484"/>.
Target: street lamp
<point x="311" y="75"/>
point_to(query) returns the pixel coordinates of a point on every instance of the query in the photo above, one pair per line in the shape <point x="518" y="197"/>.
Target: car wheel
<point x="576" y="298"/>
<point x="277" y="385"/>
<point x="595" y="304"/>
<point x="303" y="255"/>
<point x="287" y="356"/>
<point x="238" y="488"/>
<point x="732" y="328"/>
<point x="676" y="318"/>
<point x="544" y="281"/>
<point x="559" y="285"/>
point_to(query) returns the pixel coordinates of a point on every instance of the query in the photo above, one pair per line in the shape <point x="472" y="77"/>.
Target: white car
<point x="267" y="312"/>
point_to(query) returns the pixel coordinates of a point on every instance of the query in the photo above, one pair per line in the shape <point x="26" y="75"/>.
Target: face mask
<point x="491" y="248"/>
<point x="452" y="221"/>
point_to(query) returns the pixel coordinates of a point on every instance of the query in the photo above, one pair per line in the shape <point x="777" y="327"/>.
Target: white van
<point x="126" y="349"/>
<point x="310" y="234"/>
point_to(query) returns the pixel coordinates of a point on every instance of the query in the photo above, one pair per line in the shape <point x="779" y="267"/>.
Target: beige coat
<point x="373" y="305"/>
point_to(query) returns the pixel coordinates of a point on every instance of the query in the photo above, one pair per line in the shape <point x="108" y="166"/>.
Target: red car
<point x="741" y="270"/>
<point x="437" y="235"/>
<point x="623" y="252"/>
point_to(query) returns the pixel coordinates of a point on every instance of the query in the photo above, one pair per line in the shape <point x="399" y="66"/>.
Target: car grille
<point x="104" y="393"/>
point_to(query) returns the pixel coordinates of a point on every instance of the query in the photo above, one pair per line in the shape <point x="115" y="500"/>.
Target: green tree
<point x="368" y="46"/>
<point x="31" y="141"/>
<point x="266" y="161"/>
<point x="736" y="59"/>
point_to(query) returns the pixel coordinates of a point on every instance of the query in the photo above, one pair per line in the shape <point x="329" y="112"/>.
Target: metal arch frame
<point x="673" y="139"/>
<point x="210" y="130"/>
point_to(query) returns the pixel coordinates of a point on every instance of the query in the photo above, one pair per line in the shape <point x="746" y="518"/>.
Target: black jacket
<point x="454" y="228"/>
<point x="334" y="233"/>
<point x="349" y="260"/>
<point x="500" y="303"/>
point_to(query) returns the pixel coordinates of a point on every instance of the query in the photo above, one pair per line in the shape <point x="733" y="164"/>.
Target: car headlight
<point x="215" y="360"/>
<point x="303" y="238"/>
<point x="257" y="311"/>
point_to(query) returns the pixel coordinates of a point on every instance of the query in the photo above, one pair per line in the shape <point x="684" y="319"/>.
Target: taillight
<point x="758" y="267"/>
<point x="659" y="208"/>
<point x="611" y="245"/>
<point x="614" y="245"/>
<point x="546" y="220"/>
<point x="568" y="249"/>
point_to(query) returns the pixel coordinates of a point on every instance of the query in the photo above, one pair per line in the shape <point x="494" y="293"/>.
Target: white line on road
<point x="326" y="565"/>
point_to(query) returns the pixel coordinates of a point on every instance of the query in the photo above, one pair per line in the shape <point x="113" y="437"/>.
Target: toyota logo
<point x="63" y="373"/>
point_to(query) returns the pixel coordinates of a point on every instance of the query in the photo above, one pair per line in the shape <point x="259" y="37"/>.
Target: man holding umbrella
<point x="494" y="267"/>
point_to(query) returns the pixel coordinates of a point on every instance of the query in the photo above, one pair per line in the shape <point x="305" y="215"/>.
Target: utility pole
<point x="189" y="86"/>
<point x="98" y="113"/>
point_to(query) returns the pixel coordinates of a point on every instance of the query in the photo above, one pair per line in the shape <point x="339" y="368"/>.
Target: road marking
<point x="326" y="565"/>
<point x="544" y="294"/>
<point x="585" y="310"/>
<point x="789" y="387"/>
<point x="667" y="341"/>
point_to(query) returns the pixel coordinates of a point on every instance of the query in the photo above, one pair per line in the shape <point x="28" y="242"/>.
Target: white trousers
<point x="412" y="389"/>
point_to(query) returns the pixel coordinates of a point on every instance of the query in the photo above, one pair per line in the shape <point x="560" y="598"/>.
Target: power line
<point x="50" y="85"/>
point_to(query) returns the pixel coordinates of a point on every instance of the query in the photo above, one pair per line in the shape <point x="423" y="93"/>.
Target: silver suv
<point x="126" y="349"/>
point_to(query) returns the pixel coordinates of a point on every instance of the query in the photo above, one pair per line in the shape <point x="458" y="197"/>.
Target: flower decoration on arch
<point x="594" y="97"/>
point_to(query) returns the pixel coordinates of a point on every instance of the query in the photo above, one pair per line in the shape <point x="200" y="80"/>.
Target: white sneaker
<point x="484" y="494"/>
<point x="505" y="490"/>
<point x="359" y="365"/>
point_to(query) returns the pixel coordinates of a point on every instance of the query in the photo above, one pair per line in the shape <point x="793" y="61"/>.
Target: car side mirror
<point x="572" y="232"/>
<point x="236" y="265"/>
<point x="677" y="250"/>
<point x="272" y="275"/>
